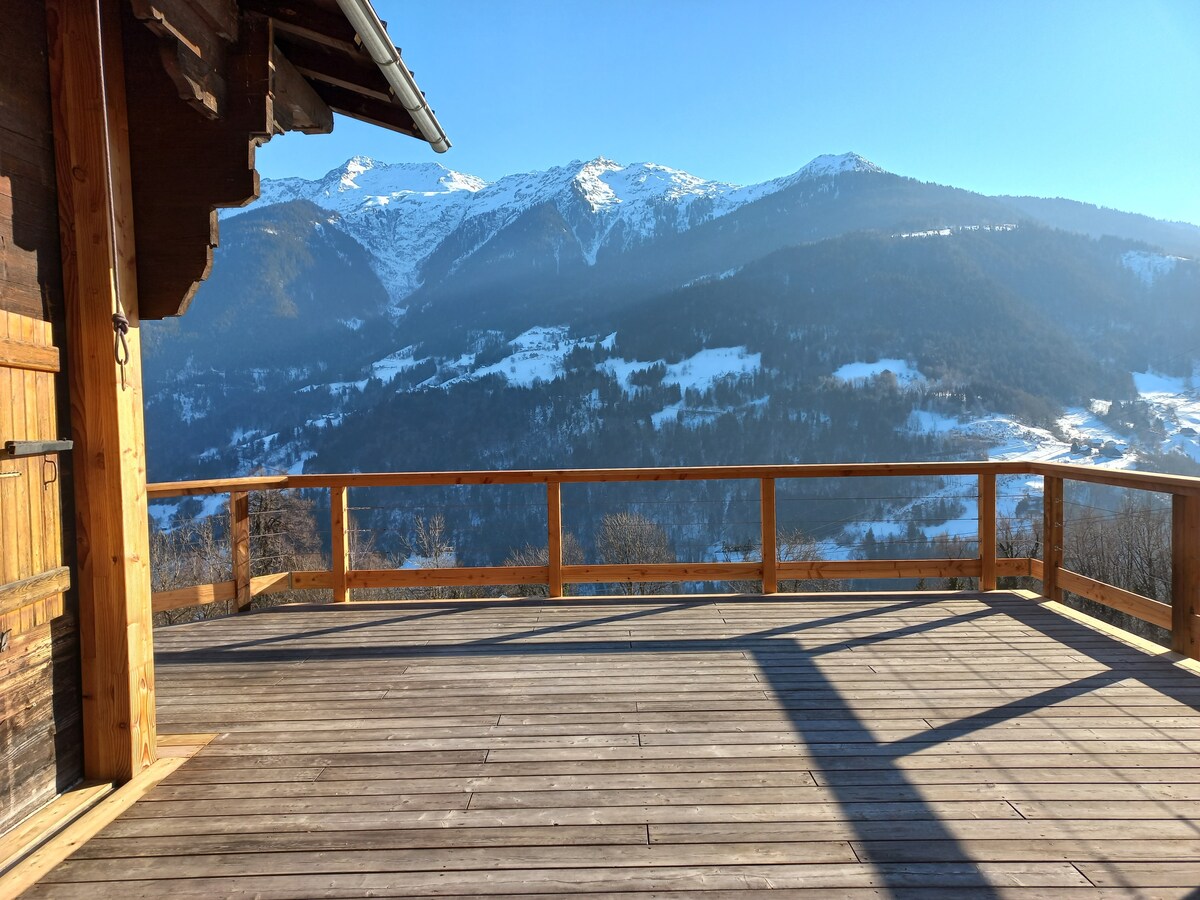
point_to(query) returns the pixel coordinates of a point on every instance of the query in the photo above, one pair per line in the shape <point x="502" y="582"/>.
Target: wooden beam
<point x="671" y="572"/>
<point x="659" y="474"/>
<point x="384" y="113"/>
<point x="274" y="583"/>
<point x="355" y="73"/>
<point x="463" y="576"/>
<point x="164" y="490"/>
<point x="309" y="22"/>
<point x="36" y="587"/>
<point x="1015" y="566"/>
<point x="87" y="78"/>
<point x="296" y="106"/>
<point x="1052" y="536"/>
<point x="30" y="357"/>
<point x="881" y="568"/>
<point x="554" y="539"/>
<point x="197" y="595"/>
<point x="1142" y="481"/>
<point x="987" y="531"/>
<point x="191" y="51"/>
<point x="239" y="548"/>
<point x="339" y="541"/>
<point x="1185" y="575"/>
<point x="1153" y="611"/>
<point x="770" y="537"/>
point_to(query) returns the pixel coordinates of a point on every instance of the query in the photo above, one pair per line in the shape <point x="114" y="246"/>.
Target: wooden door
<point x="40" y="704"/>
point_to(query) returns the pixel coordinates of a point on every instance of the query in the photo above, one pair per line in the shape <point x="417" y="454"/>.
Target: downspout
<point x="374" y="36"/>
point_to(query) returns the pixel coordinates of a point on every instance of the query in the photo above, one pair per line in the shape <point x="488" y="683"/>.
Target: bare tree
<point x="529" y="555"/>
<point x="185" y="555"/>
<point x="629" y="539"/>
<point x="283" y="538"/>
<point x="427" y="546"/>
<point x="1018" y="539"/>
<point x="793" y="545"/>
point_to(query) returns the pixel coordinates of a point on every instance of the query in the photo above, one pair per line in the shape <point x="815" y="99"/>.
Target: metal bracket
<point x="17" y="449"/>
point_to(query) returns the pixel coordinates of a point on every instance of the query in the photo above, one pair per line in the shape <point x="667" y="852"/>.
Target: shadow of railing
<point x="778" y="653"/>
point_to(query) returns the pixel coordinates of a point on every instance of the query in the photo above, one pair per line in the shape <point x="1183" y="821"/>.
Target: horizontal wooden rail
<point x="1139" y="481"/>
<point x="1146" y="481"/>
<point x="164" y="490"/>
<point x="1153" y="611"/>
<point x="33" y="601"/>
<point x="986" y="567"/>
<point x="673" y="573"/>
<point x="660" y="474"/>
<point x="462" y="576"/>
<point x="881" y="568"/>
<point x="222" y="591"/>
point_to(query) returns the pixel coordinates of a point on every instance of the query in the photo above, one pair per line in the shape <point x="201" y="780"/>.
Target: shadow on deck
<point x="874" y="745"/>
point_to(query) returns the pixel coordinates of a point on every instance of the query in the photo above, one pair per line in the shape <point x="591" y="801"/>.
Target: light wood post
<point x="91" y="147"/>
<point x="554" y="538"/>
<point x="987" y="531"/>
<point x="1052" y="536"/>
<point x="770" y="550"/>
<point x="339" y="541"/>
<point x="1185" y="575"/>
<point x="239" y="547"/>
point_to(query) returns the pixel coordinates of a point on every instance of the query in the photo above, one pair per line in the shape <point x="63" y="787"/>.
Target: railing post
<point x="239" y="547"/>
<point x="1052" y="536"/>
<point x="770" y="550"/>
<point x="554" y="585"/>
<point x="1185" y="575"/>
<point x="987" y="531"/>
<point x="339" y="516"/>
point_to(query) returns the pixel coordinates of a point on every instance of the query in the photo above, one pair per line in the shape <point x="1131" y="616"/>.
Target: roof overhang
<point x="230" y="74"/>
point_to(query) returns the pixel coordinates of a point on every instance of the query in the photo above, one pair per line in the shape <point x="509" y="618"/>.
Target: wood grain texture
<point x="768" y="536"/>
<point x="1185" y="576"/>
<point x="15" y="354"/>
<point x="239" y="548"/>
<point x="554" y="540"/>
<point x="96" y="227"/>
<point x="39" y="662"/>
<point x="1052" y="536"/>
<point x="1154" y="611"/>
<point x="36" y="587"/>
<point x="339" y="530"/>
<point x="987" y="532"/>
<point x="941" y="744"/>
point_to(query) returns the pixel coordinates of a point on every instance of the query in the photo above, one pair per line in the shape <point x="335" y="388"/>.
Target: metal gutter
<point x="374" y="37"/>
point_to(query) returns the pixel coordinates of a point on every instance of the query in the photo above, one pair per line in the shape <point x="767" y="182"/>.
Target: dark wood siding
<point x="40" y="733"/>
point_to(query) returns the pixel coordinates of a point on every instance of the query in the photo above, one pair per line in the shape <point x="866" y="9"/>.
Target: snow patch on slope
<point x="1149" y="266"/>
<point x="907" y="375"/>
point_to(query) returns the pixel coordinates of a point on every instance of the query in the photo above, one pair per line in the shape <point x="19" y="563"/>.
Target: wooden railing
<point x="1181" y="617"/>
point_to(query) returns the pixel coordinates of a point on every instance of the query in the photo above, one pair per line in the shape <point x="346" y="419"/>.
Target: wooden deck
<point x="928" y="745"/>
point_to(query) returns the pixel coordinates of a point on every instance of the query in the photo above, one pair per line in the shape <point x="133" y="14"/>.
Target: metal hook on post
<point x="120" y="344"/>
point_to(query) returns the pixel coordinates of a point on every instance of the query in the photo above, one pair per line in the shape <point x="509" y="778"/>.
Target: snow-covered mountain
<point x="600" y="314"/>
<point x="402" y="212"/>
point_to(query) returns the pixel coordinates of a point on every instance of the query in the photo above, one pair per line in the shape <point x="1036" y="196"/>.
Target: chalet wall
<point x="40" y="729"/>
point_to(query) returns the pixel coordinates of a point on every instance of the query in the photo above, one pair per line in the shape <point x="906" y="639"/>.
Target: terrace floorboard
<point x="848" y="745"/>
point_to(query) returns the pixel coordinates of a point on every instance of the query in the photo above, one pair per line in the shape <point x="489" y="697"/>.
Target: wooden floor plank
<point x="947" y="745"/>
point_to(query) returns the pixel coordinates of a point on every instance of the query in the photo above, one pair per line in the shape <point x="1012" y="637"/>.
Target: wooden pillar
<point x="339" y="541"/>
<point x="554" y="538"/>
<point x="770" y="550"/>
<point x="1185" y="575"/>
<point x="99" y="280"/>
<point x="1052" y="536"/>
<point x="987" y="531"/>
<point x="239" y="547"/>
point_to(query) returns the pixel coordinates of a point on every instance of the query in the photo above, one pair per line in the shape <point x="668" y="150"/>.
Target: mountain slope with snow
<point x="404" y="212"/>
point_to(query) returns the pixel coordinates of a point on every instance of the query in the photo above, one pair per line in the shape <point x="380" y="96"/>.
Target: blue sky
<point x="1096" y="101"/>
